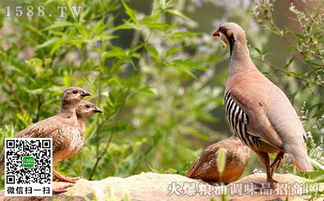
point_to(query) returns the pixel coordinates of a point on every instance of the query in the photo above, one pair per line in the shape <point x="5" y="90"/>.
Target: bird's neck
<point x="240" y="59"/>
<point x="82" y="120"/>
<point x="82" y="125"/>
<point x="69" y="109"/>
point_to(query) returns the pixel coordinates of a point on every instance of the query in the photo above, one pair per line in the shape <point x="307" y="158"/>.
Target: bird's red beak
<point x="216" y="33"/>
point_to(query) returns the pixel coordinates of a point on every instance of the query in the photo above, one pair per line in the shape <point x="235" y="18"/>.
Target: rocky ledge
<point x="171" y="187"/>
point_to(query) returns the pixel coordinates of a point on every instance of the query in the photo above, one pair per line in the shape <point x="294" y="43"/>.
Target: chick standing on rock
<point x="84" y="111"/>
<point x="205" y="167"/>
<point x="258" y="111"/>
<point x="63" y="128"/>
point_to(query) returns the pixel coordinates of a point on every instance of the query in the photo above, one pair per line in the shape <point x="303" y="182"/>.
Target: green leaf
<point x="25" y="118"/>
<point x="114" y="52"/>
<point x="314" y="62"/>
<point x="290" y="61"/>
<point x="48" y="43"/>
<point x="298" y="35"/>
<point x="221" y="160"/>
<point x="57" y="25"/>
<point x="130" y="12"/>
<point x="148" y="90"/>
<point x="185" y="33"/>
<point x="172" y="51"/>
<point x="178" y="14"/>
<point x="125" y="26"/>
<point x="153" y="51"/>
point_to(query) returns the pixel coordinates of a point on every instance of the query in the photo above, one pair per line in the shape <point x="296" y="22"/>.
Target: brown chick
<point x="84" y="111"/>
<point x="237" y="157"/>
<point x="63" y="128"/>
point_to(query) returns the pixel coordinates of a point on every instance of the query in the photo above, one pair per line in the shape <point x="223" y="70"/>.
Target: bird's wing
<point x="248" y="109"/>
<point x="44" y="128"/>
<point x="55" y="127"/>
<point x="283" y="117"/>
<point x="289" y="128"/>
<point x="205" y="157"/>
<point x="271" y="116"/>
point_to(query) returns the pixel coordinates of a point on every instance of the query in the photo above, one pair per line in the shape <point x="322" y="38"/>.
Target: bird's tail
<point x="302" y="163"/>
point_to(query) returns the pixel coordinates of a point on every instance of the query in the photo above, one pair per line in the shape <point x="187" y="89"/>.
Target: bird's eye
<point x="229" y="33"/>
<point x="75" y="91"/>
<point x="87" y="106"/>
<point x="222" y="29"/>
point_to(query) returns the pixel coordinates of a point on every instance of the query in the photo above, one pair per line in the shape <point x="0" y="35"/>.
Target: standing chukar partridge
<point x="63" y="128"/>
<point x="84" y="111"/>
<point x="258" y="111"/>
<point x="237" y="158"/>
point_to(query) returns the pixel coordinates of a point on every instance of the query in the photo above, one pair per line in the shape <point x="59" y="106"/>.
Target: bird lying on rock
<point x="63" y="128"/>
<point x="237" y="158"/>
<point x="258" y="111"/>
<point x="84" y="111"/>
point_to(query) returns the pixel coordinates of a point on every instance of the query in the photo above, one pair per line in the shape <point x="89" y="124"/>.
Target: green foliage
<point x="155" y="72"/>
<point x="221" y="160"/>
<point x="306" y="49"/>
<point x="150" y="84"/>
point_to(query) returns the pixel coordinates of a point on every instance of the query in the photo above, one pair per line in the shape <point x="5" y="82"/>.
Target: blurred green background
<point x="157" y="72"/>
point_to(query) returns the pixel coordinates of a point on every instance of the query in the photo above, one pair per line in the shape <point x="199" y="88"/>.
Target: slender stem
<point x="128" y="94"/>
<point x="39" y="104"/>
<point x="281" y="70"/>
<point x="98" y="103"/>
<point x="100" y="157"/>
<point x="14" y="95"/>
<point x="97" y="119"/>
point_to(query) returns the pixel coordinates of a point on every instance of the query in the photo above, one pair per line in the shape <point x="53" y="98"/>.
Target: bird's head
<point x="73" y="95"/>
<point x="231" y="33"/>
<point x="86" y="109"/>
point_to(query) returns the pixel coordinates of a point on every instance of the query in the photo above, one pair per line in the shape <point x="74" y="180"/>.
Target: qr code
<point x="28" y="166"/>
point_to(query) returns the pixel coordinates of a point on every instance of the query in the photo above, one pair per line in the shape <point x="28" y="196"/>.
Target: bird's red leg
<point x="59" y="177"/>
<point x="276" y="163"/>
<point x="269" y="177"/>
<point x="264" y="158"/>
<point x="63" y="178"/>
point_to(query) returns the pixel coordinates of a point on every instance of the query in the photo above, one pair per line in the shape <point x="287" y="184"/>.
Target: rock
<point x="171" y="187"/>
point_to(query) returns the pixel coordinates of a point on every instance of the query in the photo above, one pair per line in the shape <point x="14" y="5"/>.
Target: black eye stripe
<point x="223" y="30"/>
<point x="230" y="37"/>
<point x="231" y="41"/>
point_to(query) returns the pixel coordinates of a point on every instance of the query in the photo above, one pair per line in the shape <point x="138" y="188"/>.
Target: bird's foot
<point x="264" y="186"/>
<point x="214" y="183"/>
<point x="258" y="186"/>
<point x="61" y="189"/>
<point x="38" y="198"/>
<point x="63" y="178"/>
